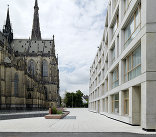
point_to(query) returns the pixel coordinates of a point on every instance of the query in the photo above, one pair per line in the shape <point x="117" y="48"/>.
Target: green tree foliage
<point x="79" y="96"/>
<point x="73" y="99"/>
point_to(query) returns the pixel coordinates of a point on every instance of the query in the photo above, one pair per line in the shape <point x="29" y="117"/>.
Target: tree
<point x="73" y="99"/>
<point x="67" y="99"/>
<point x="79" y="96"/>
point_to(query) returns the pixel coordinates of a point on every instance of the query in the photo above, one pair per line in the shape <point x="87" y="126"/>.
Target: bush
<point x="54" y="110"/>
<point x="59" y="112"/>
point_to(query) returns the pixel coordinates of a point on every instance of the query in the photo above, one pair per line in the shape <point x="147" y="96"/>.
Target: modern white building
<point x="123" y="73"/>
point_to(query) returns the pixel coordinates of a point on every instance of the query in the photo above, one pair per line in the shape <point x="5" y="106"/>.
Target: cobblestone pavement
<point x="79" y="120"/>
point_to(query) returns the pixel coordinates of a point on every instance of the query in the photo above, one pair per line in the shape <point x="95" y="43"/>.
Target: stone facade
<point x="29" y="74"/>
<point x="123" y="73"/>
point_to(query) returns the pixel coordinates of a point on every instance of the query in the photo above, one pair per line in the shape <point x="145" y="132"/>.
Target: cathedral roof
<point x="33" y="46"/>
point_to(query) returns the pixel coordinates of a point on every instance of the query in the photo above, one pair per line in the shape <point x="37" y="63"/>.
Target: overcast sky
<point x="78" y="27"/>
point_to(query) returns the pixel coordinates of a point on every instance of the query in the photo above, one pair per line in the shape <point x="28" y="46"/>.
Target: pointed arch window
<point x="28" y="84"/>
<point x="16" y="80"/>
<point x="45" y="68"/>
<point x="29" y="95"/>
<point x="32" y="67"/>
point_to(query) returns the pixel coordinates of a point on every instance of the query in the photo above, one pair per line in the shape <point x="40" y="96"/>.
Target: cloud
<point x="78" y="27"/>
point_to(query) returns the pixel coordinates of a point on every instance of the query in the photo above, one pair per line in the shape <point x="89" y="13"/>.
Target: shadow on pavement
<point x="70" y="117"/>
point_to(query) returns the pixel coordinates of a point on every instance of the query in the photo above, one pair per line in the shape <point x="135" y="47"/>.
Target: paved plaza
<point x="73" y="135"/>
<point x="79" y="120"/>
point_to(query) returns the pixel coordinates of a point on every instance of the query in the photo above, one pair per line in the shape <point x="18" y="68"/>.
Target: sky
<point x="78" y="26"/>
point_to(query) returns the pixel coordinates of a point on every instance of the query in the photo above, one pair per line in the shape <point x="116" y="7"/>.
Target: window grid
<point x="115" y="103"/>
<point x="107" y="85"/>
<point x="126" y="102"/>
<point x="130" y="67"/>
<point x="136" y="27"/>
<point x="113" y="54"/>
<point x="116" y="25"/>
<point x="115" y="82"/>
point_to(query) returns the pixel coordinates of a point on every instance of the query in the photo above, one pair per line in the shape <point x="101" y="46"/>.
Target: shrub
<point x="54" y="110"/>
<point x="59" y="112"/>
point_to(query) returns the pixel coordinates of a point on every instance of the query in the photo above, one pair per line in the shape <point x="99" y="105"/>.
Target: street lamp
<point x="72" y="100"/>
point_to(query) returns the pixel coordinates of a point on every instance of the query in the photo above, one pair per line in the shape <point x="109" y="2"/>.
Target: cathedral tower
<point x="36" y="33"/>
<point x="7" y="29"/>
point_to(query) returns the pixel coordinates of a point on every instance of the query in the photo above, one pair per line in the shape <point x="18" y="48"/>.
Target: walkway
<point x="79" y="120"/>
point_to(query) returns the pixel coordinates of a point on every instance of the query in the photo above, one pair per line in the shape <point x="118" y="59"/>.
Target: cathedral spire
<point x="53" y="46"/>
<point x="8" y="18"/>
<point x="36" y="3"/>
<point x="36" y="33"/>
<point x="7" y="29"/>
<point x="54" y="40"/>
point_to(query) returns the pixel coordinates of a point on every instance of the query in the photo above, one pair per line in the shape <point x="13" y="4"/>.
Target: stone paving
<point x="79" y="120"/>
<point x="19" y="115"/>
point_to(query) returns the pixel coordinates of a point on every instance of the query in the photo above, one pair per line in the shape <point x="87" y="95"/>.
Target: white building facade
<point x="123" y="73"/>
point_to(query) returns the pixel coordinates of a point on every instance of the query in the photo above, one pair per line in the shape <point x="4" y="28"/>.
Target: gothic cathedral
<point x="29" y="74"/>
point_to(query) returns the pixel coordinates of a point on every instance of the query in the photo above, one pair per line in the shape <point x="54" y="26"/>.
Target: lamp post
<point x="72" y="100"/>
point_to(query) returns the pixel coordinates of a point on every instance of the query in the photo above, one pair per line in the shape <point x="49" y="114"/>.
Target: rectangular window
<point x="103" y="73"/>
<point x="117" y="46"/>
<point x="133" y="65"/>
<point x="115" y="75"/>
<point x="115" y="103"/>
<point x="106" y="84"/>
<point x="113" y="54"/>
<point x="116" y="24"/>
<point x="99" y="78"/>
<point x="103" y="89"/>
<point x="133" y="27"/>
<point x="126" y="102"/>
